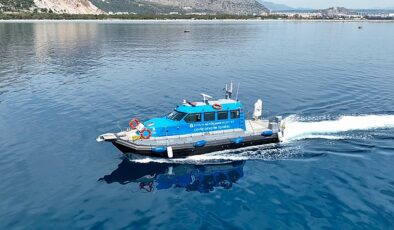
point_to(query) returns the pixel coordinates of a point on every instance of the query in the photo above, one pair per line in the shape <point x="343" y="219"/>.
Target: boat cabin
<point x="199" y="117"/>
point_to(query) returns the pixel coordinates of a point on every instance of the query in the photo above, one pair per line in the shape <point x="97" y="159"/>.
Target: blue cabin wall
<point x="165" y="127"/>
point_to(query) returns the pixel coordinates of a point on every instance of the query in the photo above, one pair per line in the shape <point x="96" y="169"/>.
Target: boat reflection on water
<point x="158" y="176"/>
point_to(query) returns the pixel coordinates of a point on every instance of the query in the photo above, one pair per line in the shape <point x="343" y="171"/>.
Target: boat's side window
<point x="223" y="115"/>
<point x="193" y="117"/>
<point x="176" y="115"/>
<point x="234" y="114"/>
<point x="209" y="116"/>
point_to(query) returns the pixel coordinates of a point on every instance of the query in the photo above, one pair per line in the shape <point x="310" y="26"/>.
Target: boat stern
<point x="281" y="127"/>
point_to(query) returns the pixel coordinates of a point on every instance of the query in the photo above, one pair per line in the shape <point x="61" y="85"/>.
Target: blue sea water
<point x="64" y="83"/>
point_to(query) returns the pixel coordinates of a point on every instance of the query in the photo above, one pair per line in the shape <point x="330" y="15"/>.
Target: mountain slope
<point x="336" y="10"/>
<point x="275" y="6"/>
<point x="241" y="7"/>
<point x="281" y="7"/>
<point x="135" y="6"/>
<point x="69" y="6"/>
<point x="233" y="7"/>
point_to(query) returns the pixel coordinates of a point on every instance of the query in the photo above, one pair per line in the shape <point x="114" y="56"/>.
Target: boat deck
<point x="256" y="126"/>
<point x="253" y="127"/>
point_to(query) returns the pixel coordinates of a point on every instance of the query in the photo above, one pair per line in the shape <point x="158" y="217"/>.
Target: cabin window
<point x="193" y="117"/>
<point x="234" y="114"/>
<point x="209" y="116"/>
<point x="223" y="115"/>
<point x="176" y="115"/>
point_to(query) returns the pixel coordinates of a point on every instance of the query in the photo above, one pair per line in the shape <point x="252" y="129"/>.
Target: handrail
<point x="250" y="123"/>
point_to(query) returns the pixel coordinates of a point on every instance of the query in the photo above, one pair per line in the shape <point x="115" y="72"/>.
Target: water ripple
<point x="63" y="83"/>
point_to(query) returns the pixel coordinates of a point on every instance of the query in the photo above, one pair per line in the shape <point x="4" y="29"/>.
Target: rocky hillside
<point x="16" y="5"/>
<point x="133" y="6"/>
<point x="238" y="7"/>
<point x="242" y="7"/>
<point x="233" y="7"/>
<point x="56" y="6"/>
<point x="332" y="11"/>
<point x="69" y="6"/>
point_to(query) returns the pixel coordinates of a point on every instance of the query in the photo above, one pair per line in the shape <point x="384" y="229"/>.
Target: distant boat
<point x="186" y="31"/>
<point x="360" y="27"/>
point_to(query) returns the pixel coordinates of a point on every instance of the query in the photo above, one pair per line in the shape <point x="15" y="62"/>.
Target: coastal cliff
<point x="68" y="6"/>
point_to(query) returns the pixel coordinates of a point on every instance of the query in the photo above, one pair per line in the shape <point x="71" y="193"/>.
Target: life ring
<point x="134" y="123"/>
<point x="142" y="135"/>
<point x="217" y="106"/>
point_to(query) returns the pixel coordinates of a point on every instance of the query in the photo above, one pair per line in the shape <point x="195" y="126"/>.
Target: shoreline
<point x="188" y="20"/>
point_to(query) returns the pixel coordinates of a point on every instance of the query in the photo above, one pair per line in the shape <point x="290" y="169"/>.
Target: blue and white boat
<point x="194" y="128"/>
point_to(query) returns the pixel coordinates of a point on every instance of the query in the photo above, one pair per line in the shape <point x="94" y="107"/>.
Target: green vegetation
<point x="15" y="5"/>
<point x="49" y="15"/>
<point x="138" y="7"/>
<point x="32" y="15"/>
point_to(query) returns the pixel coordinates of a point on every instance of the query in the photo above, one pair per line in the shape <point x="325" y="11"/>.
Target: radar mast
<point x="229" y="90"/>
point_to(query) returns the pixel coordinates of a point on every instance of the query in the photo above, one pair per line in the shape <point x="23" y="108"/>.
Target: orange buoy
<point x="142" y="133"/>
<point x="217" y="106"/>
<point x="134" y="123"/>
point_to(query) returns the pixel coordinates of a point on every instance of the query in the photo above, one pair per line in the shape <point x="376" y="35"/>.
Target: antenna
<point x="229" y="90"/>
<point x="205" y="97"/>
<point x="236" y="97"/>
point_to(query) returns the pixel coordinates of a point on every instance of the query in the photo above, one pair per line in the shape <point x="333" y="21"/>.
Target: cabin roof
<point x="228" y="104"/>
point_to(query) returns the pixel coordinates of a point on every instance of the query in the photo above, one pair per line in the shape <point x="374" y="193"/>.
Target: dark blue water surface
<point x="64" y="83"/>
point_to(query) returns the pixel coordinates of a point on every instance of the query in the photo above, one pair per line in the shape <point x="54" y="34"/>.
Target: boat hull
<point x="189" y="149"/>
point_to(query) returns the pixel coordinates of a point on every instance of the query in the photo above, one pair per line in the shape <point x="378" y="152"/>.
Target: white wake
<point x="296" y="129"/>
<point x="263" y="152"/>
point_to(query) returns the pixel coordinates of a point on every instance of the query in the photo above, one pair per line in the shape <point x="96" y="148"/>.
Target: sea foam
<point x="296" y="129"/>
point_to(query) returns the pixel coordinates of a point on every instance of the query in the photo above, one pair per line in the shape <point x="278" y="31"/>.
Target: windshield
<point x="176" y="116"/>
